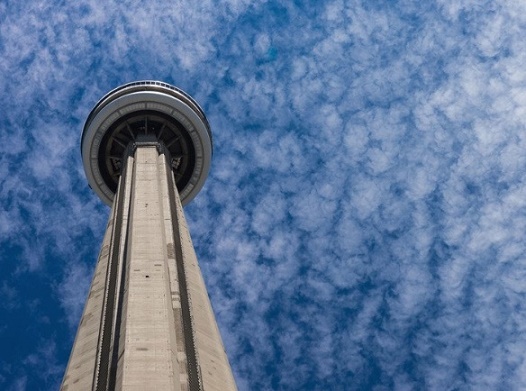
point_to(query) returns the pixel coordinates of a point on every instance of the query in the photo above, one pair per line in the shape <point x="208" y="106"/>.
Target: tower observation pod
<point x="147" y="323"/>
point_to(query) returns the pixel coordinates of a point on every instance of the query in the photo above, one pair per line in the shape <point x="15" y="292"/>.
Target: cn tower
<point x="147" y="323"/>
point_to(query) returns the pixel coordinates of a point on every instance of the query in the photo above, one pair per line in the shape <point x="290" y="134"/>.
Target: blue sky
<point x="363" y="226"/>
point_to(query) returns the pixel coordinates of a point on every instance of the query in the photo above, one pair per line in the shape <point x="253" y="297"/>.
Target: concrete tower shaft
<point x="148" y="322"/>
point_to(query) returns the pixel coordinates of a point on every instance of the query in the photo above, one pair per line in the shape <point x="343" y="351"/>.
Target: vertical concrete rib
<point x="148" y="322"/>
<point x="204" y="346"/>
<point x="147" y="358"/>
<point x="108" y="330"/>
<point x="82" y="361"/>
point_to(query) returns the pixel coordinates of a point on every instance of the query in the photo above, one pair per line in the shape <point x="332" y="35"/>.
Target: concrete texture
<point x="148" y="323"/>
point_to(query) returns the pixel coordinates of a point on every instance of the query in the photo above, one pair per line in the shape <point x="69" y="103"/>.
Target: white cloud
<point x="364" y="215"/>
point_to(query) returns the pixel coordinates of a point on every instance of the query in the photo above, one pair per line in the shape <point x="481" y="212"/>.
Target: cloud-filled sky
<point x="363" y="226"/>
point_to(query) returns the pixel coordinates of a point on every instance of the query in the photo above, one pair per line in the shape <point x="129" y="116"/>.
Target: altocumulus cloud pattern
<point x="364" y="223"/>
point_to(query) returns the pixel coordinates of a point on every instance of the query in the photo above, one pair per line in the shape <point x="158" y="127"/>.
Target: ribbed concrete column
<point x="148" y="323"/>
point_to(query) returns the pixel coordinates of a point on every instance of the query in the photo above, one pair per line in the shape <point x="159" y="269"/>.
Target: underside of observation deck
<point x="152" y="109"/>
